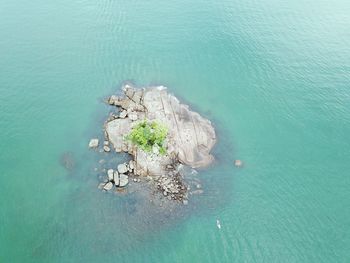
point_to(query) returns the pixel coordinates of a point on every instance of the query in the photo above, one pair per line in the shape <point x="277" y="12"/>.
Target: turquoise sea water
<point x="273" y="76"/>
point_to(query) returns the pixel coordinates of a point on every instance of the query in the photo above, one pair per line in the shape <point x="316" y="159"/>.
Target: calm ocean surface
<point x="273" y="76"/>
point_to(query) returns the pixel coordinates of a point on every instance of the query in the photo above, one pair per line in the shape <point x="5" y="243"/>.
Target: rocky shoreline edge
<point x="188" y="143"/>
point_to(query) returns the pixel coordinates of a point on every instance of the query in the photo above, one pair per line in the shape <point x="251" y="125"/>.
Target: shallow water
<point x="274" y="78"/>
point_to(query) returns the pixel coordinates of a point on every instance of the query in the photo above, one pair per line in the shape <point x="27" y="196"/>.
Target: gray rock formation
<point x="116" y="178"/>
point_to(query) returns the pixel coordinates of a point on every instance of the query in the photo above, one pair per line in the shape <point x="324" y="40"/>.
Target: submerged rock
<point x="110" y="174"/>
<point x="116" y="178"/>
<point x="68" y="161"/>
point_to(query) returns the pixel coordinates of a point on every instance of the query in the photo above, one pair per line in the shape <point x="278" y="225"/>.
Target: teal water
<point x="274" y="77"/>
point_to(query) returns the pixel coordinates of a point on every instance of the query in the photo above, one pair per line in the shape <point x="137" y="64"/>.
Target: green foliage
<point x="148" y="134"/>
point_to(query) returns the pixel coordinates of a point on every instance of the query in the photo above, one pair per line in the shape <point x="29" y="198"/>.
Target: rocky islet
<point x="189" y="141"/>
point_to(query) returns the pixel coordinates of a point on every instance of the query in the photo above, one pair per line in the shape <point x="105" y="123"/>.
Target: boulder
<point x="93" y="143"/>
<point x="116" y="178"/>
<point x="110" y="174"/>
<point x="106" y="149"/>
<point x="123" y="180"/>
<point x="108" y="186"/>
<point x="122" y="168"/>
<point x="132" y="164"/>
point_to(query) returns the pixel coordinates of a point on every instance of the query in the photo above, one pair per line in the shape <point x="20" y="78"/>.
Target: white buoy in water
<point x="218" y="223"/>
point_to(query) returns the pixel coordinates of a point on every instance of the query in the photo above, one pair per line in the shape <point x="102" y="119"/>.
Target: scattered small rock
<point x="108" y="186"/>
<point x="106" y="149"/>
<point x="110" y="174"/>
<point x="132" y="164"/>
<point x="100" y="186"/>
<point x="122" y="168"/>
<point x="123" y="180"/>
<point x="93" y="143"/>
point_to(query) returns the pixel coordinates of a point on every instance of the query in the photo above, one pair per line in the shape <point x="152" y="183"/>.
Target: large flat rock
<point x="190" y="135"/>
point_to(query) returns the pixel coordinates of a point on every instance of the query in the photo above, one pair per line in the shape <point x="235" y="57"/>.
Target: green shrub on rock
<point x="147" y="135"/>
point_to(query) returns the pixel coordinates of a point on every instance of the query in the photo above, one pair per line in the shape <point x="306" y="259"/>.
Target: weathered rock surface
<point x="116" y="130"/>
<point x="67" y="160"/>
<point x="108" y="186"/>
